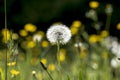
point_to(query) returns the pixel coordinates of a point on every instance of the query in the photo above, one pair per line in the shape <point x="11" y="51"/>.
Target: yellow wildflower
<point x="31" y="44"/>
<point x="62" y="55"/>
<point x="118" y="26"/>
<point x="34" y="61"/>
<point x="104" y="33"/>
<point x="51" y="67"/>
<point x="44" y="61"/>
<point x="104" y="55"/>
<point x="45" y="44"/>
<point x="14" y="72"/>
<point x="0" y="70"/>
<point x="11" y="63"/>
<point x="30" y="27"/>
<point x="23" y="32"/>
<point x="74" y="30"/>
<point x="6" y="35"/>
<point x="39" y="76"/>
<point x="62" y="51"/>
<point x="83" y="53"/>
<point x="94" y="4"/>
<point x="77" y="24"/>
<point x="41" y="33"/>
<point x="93" y="38"/>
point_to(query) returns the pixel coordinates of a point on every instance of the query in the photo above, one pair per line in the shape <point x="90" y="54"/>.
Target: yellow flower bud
<point x="94" y="4"/>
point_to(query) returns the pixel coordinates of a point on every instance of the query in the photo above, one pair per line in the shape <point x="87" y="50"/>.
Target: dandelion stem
<point x="58" y="60"/>
<point x="5" y="10"/>
<point x="45" y="68"/>
<point x="108" y="21"/>
<point x="49" y="75"/>
<point x="58" y="54"/>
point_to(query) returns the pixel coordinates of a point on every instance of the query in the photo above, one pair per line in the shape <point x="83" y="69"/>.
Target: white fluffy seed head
<point x="58" y="33"/>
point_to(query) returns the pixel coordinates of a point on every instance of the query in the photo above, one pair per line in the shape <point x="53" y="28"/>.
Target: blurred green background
<point x="45" y="12"/>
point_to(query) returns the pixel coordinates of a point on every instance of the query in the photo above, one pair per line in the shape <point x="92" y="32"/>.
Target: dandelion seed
<point x="58" y="33"/>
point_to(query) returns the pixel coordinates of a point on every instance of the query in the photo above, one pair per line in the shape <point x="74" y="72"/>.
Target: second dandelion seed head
<point x="58" y="33"/>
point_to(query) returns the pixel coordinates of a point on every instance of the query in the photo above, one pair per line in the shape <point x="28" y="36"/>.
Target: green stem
<point x="5" y="10"/>
<point x="58" y="60"/>
<point x="58" y="54"/>
<point x="108" y="20"/>
<point x="49" y="74"/>
<point x="45" y="68"/>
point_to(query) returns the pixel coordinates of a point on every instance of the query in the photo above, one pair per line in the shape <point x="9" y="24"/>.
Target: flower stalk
<point x="5" y="11"/>
<point x="58" y="54"/>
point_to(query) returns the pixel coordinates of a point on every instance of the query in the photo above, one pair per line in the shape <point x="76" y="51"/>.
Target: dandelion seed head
<point x="37" y="38"/>
<point x="114" y="62"/>
<point x="58" y="33"/>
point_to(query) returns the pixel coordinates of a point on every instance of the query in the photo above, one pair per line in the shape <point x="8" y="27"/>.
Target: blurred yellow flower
<point x="34" y="61"/>
<point x="44" y="61"/>
<point x="74" y="30"/>
<point x="93" y="38"/>
<point x="62" y="55"/>
<point x="104" y="33"/>
<point x="0" y="70"/>
<point x="14" y="72"/>
<point x="104" y="55"/>
<point x="94" y="4"/>
<point x="11" y="63"/>
<point x="118" y="26"/>
<point x="62" y="51"/>
<point x="30" y="27"/>
<point x="39" y="76"/>
<point x="76" y="24"/>
<point x="6" y="35"/>
<point x="23" y="32"/>
<point x="51" y="67"/>
<point x="41" y="33"/>
<point x="44" y="43"/>
<point x="31" y="44"/>
<point x="83" y="53"/>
